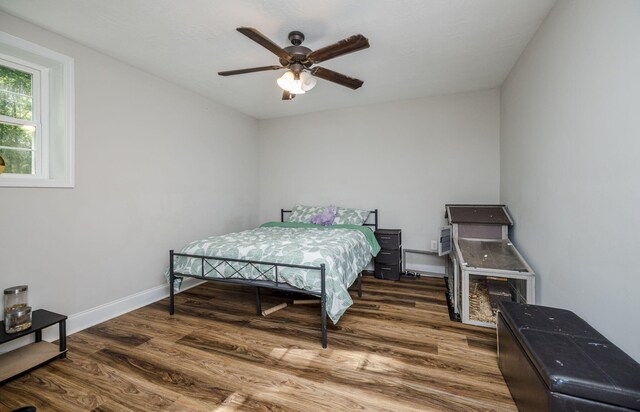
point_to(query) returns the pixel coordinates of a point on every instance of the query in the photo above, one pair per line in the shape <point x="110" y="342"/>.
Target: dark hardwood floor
<point x="395" y="349"/>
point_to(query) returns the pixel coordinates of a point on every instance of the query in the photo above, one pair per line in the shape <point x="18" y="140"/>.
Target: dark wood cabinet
<point x="388" y="263"/>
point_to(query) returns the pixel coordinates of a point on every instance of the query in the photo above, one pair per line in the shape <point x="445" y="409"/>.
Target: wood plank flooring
<point x="395" y="349"/>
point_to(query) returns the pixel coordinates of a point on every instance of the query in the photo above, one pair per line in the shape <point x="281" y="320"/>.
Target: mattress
<point x="344" y="249"/>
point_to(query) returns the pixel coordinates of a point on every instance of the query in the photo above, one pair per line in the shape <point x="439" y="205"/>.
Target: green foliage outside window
<point x="16" y="102"/>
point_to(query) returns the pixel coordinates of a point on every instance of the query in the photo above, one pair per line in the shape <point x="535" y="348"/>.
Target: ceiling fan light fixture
<point x="308" y="81"/>
<point x="301" y="85"/>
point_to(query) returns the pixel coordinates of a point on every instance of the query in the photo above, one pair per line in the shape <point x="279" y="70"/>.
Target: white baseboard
<point x="90" y="317"/>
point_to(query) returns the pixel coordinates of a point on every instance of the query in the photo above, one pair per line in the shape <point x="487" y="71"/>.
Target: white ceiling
<point x="418" y="47"/>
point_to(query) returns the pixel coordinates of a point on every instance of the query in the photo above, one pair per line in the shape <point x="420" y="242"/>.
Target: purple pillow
<point x="325" y="218"/>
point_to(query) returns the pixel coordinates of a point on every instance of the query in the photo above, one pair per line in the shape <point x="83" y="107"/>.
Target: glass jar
<point x="17" y="320"/>
<point x="16" y="299"/>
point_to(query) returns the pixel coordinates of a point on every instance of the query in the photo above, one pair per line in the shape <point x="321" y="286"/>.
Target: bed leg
<point x="324" y="324"/>
<point x="172" y="280"/>
<point x="360" y="285"/>
<point x="171" y="295"/>
<point x="258" y="302"/>
<point x="323" y="307"/>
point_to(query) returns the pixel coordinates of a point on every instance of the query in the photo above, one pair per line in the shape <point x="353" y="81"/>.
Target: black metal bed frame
<point x="257" y="282"/>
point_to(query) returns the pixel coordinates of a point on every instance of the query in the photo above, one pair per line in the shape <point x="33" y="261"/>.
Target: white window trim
<point x="43" y="179"/>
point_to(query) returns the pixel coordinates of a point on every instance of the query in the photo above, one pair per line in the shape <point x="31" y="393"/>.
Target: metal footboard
<point x="258" y="282"/>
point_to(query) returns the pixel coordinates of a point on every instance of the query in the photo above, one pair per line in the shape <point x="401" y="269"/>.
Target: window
<point x="36" y="115"/>
<point x="21" y="125"/>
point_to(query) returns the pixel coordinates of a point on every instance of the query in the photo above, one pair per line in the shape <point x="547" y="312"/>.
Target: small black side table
<point x="28" y="357"/>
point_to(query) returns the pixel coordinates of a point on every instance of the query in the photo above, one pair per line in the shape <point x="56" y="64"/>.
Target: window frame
<point x="54" y="140"/>
<point x="39" y="117"/>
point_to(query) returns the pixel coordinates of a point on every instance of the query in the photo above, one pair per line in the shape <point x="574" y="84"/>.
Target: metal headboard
<point x="373" y="213"/>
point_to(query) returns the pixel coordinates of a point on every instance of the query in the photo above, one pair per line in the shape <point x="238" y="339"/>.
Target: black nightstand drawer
<point x="389" y="238"/>
<point x="390" y="272"/>
<point x="388" y="257"/>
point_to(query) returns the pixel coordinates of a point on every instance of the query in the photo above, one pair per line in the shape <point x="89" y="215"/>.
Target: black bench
<point x="552" y="360"/>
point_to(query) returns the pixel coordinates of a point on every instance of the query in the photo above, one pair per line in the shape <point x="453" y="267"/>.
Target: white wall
<point x="570" y="158"/>
<point x="156" y="167"/>
<point x="406" y="158"/>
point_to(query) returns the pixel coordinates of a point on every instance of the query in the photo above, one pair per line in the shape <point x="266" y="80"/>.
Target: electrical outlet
<point x="434" y="245"/>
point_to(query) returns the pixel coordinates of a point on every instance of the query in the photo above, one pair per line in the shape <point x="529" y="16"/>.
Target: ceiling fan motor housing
<point x="298" y="54"/>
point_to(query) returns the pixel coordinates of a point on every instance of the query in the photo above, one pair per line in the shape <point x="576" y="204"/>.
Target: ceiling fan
<point x="298" y="60"/>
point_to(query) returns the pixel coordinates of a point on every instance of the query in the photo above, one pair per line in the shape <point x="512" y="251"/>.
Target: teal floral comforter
<point x="344" y="249"/>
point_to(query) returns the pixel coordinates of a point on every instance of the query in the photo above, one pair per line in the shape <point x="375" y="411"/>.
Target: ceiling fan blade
<point x="287" y="96"/>
<point x="336" y="77"/>
<point x="348" y="45"/>
<point x="251" y="70"/>
<point x="262" y="40"/>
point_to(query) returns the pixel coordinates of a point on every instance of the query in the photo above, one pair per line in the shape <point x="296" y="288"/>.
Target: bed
<point x="320" y="261"/>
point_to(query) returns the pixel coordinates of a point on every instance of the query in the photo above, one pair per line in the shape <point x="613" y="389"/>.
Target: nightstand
<point x="388" y="263"/>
